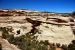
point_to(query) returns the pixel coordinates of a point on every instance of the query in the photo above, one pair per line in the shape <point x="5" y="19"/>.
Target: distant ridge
<point x="35" y="11"/>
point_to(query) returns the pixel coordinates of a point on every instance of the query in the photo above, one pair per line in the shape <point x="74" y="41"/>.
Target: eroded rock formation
<point x="56" y="28"/>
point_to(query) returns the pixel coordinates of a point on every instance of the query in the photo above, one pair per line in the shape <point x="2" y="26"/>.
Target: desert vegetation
<point x="29" y="42"/>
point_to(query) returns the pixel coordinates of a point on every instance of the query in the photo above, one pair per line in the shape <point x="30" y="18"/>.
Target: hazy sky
<point x="62" y="6"/>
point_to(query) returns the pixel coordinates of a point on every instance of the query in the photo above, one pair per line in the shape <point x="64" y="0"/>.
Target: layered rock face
<point x="55" y="28"/>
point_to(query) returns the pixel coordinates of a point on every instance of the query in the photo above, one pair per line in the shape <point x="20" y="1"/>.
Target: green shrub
<point x="5" y="33"/>
<point x="71" y="46"/>
<point x="27" y="41"/>
<point x="64" y="47"/>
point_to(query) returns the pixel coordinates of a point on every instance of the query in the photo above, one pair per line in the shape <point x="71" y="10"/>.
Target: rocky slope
<point x="56" y="28"/>
<point x="6" y="45"/>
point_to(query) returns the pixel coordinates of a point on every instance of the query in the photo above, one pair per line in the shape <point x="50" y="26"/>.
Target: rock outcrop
<point x="6" y="45"/>
<point x="56" y="28"/>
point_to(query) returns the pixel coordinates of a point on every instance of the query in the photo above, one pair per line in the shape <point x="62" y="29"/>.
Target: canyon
<point x="54" y="27"/>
